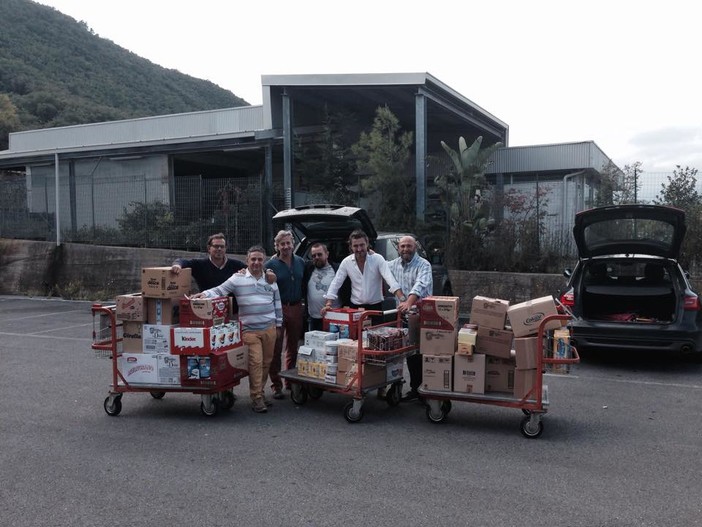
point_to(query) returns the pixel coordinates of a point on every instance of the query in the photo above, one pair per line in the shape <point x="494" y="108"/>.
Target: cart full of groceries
<point x="352" y="357"/>
<point x="499" y="358"/>
<point x="159" y="341"/>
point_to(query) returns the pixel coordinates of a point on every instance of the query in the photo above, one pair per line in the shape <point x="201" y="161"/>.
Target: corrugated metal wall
<point x="166" y="127"/>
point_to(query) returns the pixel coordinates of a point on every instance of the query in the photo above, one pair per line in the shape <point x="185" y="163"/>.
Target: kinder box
<point x="469" y="373"/>
<point x="526" y="317"/>
<point x="204" y="312"/>
<point x="160" y="282"/>
<point x="526" y="352"/>
<point x="130" y="308"/>
<point x="162" y="311"/>
<point x="344" y="321"/>
<point x="437" y="341"/>
<point x="488" y="312"/>
<point x="203" y="341"/>
<point x="219" y="369"/>
<point x="439" y="312"/>
<point x="494" y="342"/>
<point x="151" y="369"/>
<point x="156" y="338"/>
<point x="499" y="375"/>
<point x="524" y="381"/>
<point x="437" y="372"/>
<point x="132" y="337"/>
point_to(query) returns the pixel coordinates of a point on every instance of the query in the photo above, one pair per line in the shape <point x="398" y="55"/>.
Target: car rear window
<point x="651" y="231"/>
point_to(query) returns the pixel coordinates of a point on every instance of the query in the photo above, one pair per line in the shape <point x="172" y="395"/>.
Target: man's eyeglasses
<point x="217" y="246"/>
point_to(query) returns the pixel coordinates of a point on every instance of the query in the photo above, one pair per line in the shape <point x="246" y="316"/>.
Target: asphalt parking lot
<point x="621" y="447"/>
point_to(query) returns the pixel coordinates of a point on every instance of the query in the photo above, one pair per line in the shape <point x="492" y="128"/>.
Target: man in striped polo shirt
<point x="260" y="316"/>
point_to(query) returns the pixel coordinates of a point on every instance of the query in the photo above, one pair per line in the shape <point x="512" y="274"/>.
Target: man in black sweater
<point x="216" y="268"/>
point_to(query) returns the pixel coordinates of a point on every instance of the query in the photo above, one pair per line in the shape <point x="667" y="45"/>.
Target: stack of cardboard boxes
<point x="170" y="340"/>
<point x="486" y="355"/>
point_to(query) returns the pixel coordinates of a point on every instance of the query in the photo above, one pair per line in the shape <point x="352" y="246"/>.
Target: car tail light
<point x="568" y="299"/>
<point x="691" y="303"/>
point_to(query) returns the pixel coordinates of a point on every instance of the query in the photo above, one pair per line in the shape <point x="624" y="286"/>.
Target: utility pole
<point x="636" y="186"/>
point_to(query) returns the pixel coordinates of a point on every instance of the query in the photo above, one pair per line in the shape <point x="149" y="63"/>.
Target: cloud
<point x="664" y="148"/>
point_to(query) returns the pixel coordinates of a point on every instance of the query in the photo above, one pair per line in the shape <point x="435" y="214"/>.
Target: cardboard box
<point x="469" y="373"/>
<point x="488" y="312"/>
<point x="204" y="312"/>
<point x="437" y="372"/>
<point x="386" y="338"/>
<point x="348" y="349"/>
<point x="439" y="312"/>
<point x="159" y="282"/>
<point x="156" y="338"/>
<point x="130" y="308"/>
<point x="499" y="375"/>
<point x="162" y="311"/>
<point x="526" y="352"/>
<point x="316" y="339"/>
<point x="151" y="369"/>
<point x="132" y="337"/>
<point x="437" y="341"/>
<point x="203" y="341"/>
<point x="467" y="337"/>
<point x="344" y="321"/>
<point x="560" y="350"/>
<point x="526" y="317"/>
<point x="494" y="342"/>
<point x="219" y="369"/>
<point x="524" y="381"/>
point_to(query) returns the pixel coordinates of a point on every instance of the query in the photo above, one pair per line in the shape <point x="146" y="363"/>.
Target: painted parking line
<point x="49" y="337"/>
<point x="644" y="383"/>
<point x="42" y="315"/>
<point x="63" y="328"/>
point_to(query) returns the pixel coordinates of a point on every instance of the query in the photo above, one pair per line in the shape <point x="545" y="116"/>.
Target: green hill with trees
<point x="55" y="71"/>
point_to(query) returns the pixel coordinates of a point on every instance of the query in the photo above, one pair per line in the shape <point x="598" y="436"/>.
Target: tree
<point x="9" y="120"/>
<point x="681" y="191"/>
<point x="609" y="183"/>
<point x="325" y="164"/>
<point x="628" y="191"/>
<point x="468" y="212"/>
<point x="383" y="154"/>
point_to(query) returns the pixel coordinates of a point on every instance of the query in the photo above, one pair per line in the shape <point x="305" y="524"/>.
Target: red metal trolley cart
<point x="357" y="384"/>
<point x="215" y="394"/>
<point x="534" y="404"/>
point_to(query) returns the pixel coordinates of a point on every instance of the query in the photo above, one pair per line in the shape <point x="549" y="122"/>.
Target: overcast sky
<point x="621" y="73"/>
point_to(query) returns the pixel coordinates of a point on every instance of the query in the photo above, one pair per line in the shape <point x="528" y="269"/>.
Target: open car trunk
<point x="629" y="293"/>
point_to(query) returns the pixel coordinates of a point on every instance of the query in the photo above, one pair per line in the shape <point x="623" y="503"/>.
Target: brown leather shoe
<point x="258" y="405"/>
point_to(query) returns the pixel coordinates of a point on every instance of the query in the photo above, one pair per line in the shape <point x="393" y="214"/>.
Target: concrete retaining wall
<point x="96" y="272"/>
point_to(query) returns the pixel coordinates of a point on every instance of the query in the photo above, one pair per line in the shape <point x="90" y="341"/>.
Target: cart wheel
<point x="531" y="429"/>
<point x="226" y="400"/>
<point x="298" y="393"/>
<point x="394" y="394"/>
<point x="209" y="409"/>
<point x="315" y="392"/>
<point x="351" y="415"/>
<point x="113" y="407"/>
<point x="436" y="416"/>
<point x="446" y="406"/>
<point x="157" y="395"/>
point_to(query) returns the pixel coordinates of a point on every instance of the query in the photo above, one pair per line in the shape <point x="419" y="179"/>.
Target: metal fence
<point x="141" y="208"/>
<point x="136" y="210"/>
